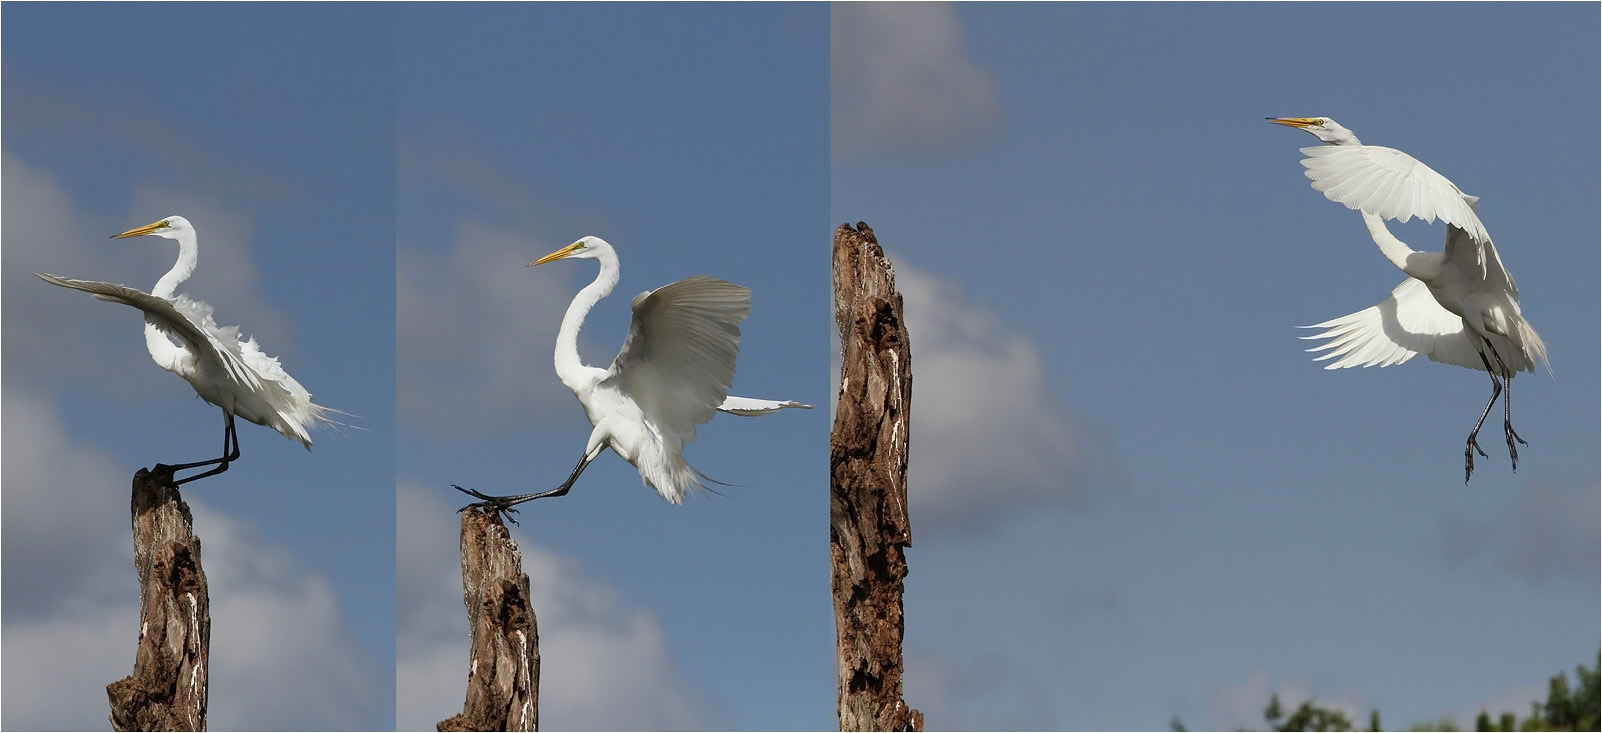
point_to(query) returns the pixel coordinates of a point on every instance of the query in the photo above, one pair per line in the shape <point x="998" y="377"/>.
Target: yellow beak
<point x="558" y="254"/>
<point x="141" y="231"/>
<point x="1295" y="121"/>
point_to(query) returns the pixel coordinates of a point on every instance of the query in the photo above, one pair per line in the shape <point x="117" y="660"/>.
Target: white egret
<point x="1459" y="306"/>
<point x="233" y="374"/>
<point x="673" y="373"/>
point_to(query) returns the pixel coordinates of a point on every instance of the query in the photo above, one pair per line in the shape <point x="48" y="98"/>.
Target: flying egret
<point x="673" y="373"/>
<point x="228" y="372"/>
<point x="1459" y="306"/>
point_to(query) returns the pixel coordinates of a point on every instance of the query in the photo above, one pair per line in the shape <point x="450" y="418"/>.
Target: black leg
<point x="230" y="453"/>
<point x="504" y="504"/>
<point x="1507" y="410"/>
<point x="1473" y="445"/>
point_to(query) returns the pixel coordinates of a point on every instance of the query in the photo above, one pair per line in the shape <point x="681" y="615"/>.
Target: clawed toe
<point x="1512" y="450"/>
<point x="1512" y="436"/>
<point x="496" y="503"/>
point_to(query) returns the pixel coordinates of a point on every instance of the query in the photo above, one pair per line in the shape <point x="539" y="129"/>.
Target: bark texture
<point x="167" y="690"/>
<point x="503" y="677"/>
<point x="868" y="524"/>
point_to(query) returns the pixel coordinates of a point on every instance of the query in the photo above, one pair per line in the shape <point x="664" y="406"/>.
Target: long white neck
<point x="569" y="367"/>
<point x="162" y="350"/>
<point x="188" y="256"/>
<point x="1422" y="265"/>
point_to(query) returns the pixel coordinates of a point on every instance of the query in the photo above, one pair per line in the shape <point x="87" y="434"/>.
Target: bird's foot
<point x="1511" y="449"/>
<point x="1513" y="435"/>
<point x="496" y="503"/>
<point x="164" y="473"/>
<point x="1468" y="459"/>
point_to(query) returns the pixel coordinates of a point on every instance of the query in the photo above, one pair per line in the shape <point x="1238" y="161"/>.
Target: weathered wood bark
<point x="167" y="690"/>
<point x="503" y="677"/>
<point x="868" y="523"/>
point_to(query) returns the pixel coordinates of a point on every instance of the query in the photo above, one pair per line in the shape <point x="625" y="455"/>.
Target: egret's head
<point x="170" y="227"/>
<point x="1322" y="128"/>
<point x="588" y="248"/>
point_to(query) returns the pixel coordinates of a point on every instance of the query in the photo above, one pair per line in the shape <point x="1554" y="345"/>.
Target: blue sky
<point x="1097" y="232"/>
<point x="282" y="156"/>
<point x="1134" y="496"/>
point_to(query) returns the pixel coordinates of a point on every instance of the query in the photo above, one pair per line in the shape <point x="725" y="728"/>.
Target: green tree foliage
<point x="1507" y="722"/>
<point x="1306" y="717"/>
<point x="1565" y="709"/>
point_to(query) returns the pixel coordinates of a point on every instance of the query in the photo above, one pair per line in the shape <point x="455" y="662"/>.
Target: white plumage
<point x="1390" y="184"/>
<point x="1458" y="306"/>
<point x="672" y="374"/>
<point x="232" y="373"/>
<point x="1405" y="325"/>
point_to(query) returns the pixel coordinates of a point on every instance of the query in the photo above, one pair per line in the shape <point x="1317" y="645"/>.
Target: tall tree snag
<point x="167" y="690"/>
<point x="868" y="524"/>
<point x="503" y="676"/>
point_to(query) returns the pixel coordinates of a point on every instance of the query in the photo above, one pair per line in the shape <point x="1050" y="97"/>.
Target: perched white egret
<point x="1459" y="306"/>
<point x="673" y="373"/>
<point x="228" y="372"/>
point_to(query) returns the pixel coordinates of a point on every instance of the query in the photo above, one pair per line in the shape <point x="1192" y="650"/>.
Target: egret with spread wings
<point x="673" y="373"/>
<point x="225" y="370"/>
<point x="1458" y="306"/>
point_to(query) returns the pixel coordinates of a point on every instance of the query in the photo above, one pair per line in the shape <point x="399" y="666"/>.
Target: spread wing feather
<point x="186" y="320"/>
<point x="678" y="359"/>
<point x="1391" y="184"/>
<point x="1408" y="323"/>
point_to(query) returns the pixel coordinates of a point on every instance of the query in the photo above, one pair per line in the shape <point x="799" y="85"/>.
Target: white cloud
<point x="70" y="596"/>
<point x="281" y="656"/>
<point x="901" y="81"/>
<point x="52" y="482"/>
<point x="1549" y="533"/>
<point x="989" y="433"/>
<point x="474" y="332"/>
<point x="604" y="665"/>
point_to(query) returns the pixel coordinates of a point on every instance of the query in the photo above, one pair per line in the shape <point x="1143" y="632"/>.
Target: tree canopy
<point x="1565" y="709"/>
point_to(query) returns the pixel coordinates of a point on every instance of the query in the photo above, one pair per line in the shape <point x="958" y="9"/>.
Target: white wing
<point x="752" y="407"/>
<point x="1407" y="324"/>
<point x="1466" y="255"/>
<point x="188" y="321"/>
<point x="678" y="360"/>
<point x="1391" y="184"/>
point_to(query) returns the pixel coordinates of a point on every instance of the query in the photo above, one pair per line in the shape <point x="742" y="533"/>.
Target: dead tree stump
<point x="167" y="690"/>
<point x="868" y="524"/>
<point x="503" y="676"/>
